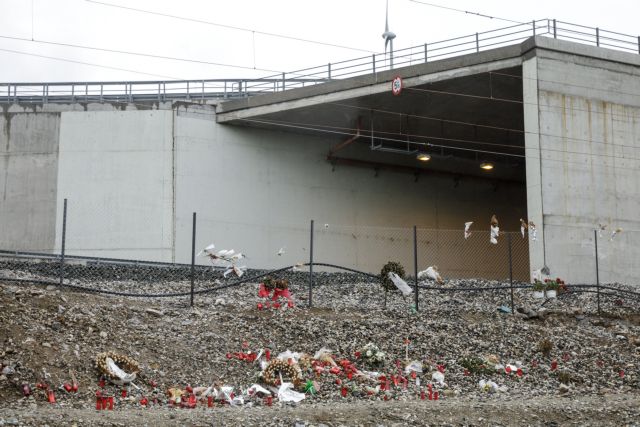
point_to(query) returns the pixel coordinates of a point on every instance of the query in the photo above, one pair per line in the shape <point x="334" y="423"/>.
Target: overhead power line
<point x="466" y="12"/>
<point x="232" y="27"/>
<point x="382" y="138"/>
<point x="146" y="55"/>
<point x="73" y="61"/>
<point x="349" y="131"/>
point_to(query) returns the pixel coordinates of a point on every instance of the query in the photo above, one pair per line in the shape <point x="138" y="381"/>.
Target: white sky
<point x="354" y="23"/>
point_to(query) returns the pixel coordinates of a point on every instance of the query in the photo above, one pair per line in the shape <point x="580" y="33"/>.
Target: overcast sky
<point x="356" y="25"/>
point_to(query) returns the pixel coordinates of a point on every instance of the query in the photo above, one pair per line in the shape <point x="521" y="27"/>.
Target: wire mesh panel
<point x="473" y="257"/>
<point x="369" y="248"/>
<point x="520" y="257"/>
<point x="363" y="248"/>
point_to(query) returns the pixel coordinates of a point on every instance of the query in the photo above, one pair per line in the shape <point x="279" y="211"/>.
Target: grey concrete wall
<point x="257" y="190"/>
<point x="28" y="180"/>
<point x="133" y="178"/>
<point x="116" y="169"/>
<point x="589" y="159"/>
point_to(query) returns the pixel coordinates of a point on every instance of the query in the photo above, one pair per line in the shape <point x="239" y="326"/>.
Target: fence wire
<point x="100" y="260"/>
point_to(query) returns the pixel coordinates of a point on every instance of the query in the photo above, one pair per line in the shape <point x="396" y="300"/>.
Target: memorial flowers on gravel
<point x="372" y="355"/>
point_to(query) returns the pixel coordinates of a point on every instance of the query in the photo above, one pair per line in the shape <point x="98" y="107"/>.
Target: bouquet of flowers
<point x="372" y="355"/>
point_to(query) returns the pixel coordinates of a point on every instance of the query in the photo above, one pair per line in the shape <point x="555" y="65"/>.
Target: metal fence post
<point x="329" y="70"/>
<point x="638" y="45"/>
<point x="426" y="53"/>
<point x="595" y="240"/>
<point x="511" y="275"/>
<point x="284" y="80"/>
<point x="597" y="36"/>
<point x="373" y="59"/>
<point x="534" y="27"/>
<point x="415" y="262"/>
<point x="193" y="255"/>
<point x="477" y="43"/>
<point x="555" y="31"/>
<point x="311" y="265"/>
<point x="64" y="238"/>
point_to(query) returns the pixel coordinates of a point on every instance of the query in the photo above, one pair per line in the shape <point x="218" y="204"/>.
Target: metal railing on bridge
<point x="201" y="90"/>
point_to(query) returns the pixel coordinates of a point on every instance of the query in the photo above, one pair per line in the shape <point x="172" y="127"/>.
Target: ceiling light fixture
<point x="423" y="157"/>
<point x="486" y="166"/>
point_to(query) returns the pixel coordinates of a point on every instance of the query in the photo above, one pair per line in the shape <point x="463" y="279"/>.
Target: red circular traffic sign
<point x="396" y="85"/>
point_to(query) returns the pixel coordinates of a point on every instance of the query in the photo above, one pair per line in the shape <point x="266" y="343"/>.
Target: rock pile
<point x="457" y="338"/>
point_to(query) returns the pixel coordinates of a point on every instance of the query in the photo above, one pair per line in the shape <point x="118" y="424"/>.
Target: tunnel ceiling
<point x="461" y="122"/>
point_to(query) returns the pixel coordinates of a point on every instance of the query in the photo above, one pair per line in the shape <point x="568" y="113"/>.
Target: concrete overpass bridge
<point x="557" y="119"/>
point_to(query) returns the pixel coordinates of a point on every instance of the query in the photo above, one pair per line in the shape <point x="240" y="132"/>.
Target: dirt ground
<point x="46" y="333"/>
<point x="607" y="410"/>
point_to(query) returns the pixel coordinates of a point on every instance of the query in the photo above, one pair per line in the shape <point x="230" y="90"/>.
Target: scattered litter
<point x="495" y="230"/>
<point x="491" y="387"/>
<point x="504" y="309"/>
<point x="400" y="284"/>
<point x="467" y="229"/>
<point x="287" y="394"/>
<point x="523" y="227"/>
<point x="413" y="366"/>
<point x="431" y="273"/>
<point x="114" y="367"/>
<point x="533" y="232"/>
<point x="438" y="377"/>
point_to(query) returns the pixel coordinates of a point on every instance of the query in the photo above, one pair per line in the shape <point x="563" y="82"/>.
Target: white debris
<point x="438" y="377"/>
<point x="123" y="377"/>
<point x="467" y="227"/>
<point x="287" y="394"/>
<point x="400" y="284"/>
<point x="431" y="273"/>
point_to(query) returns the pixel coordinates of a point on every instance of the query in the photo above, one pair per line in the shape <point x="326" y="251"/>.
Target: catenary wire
<point x="337" y="132"/>
<point x="351" y="134"/>
<point x="471" y="124"/>
<point x="309" y="126"/>
<point x="466" y="12"/>
<point x="232" y="27"/>
<point x="73" y="61"/>
<point x="146" y="55"/>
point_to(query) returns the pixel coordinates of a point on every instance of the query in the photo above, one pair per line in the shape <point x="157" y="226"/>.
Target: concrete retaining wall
<point x="28" y="180"/>
<point x="133" y="178"/>
<point x="583" y="164"/>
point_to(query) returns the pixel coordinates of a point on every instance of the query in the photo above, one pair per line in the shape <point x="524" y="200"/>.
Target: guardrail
<point x="201" y="90"/>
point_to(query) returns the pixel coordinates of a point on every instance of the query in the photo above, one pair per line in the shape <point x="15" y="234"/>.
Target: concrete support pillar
<point x="533" y="152"/>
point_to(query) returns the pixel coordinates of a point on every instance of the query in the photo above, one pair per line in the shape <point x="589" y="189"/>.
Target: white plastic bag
<point x="467" y="231"/>
<point x="438" y="377"/>
<point x="413" y="366"/>
<point x="430" y="273"/>
<point x="287" y="394"/>
<point x="400" y="284"/>
<point x="495" y="232"/>
<point x="123" y="377"/>
<point x="256" y="388"/>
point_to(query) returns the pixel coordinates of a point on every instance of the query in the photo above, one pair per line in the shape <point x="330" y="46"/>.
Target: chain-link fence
<point x="456" y="257"/>
<point x="92" y="254"/>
